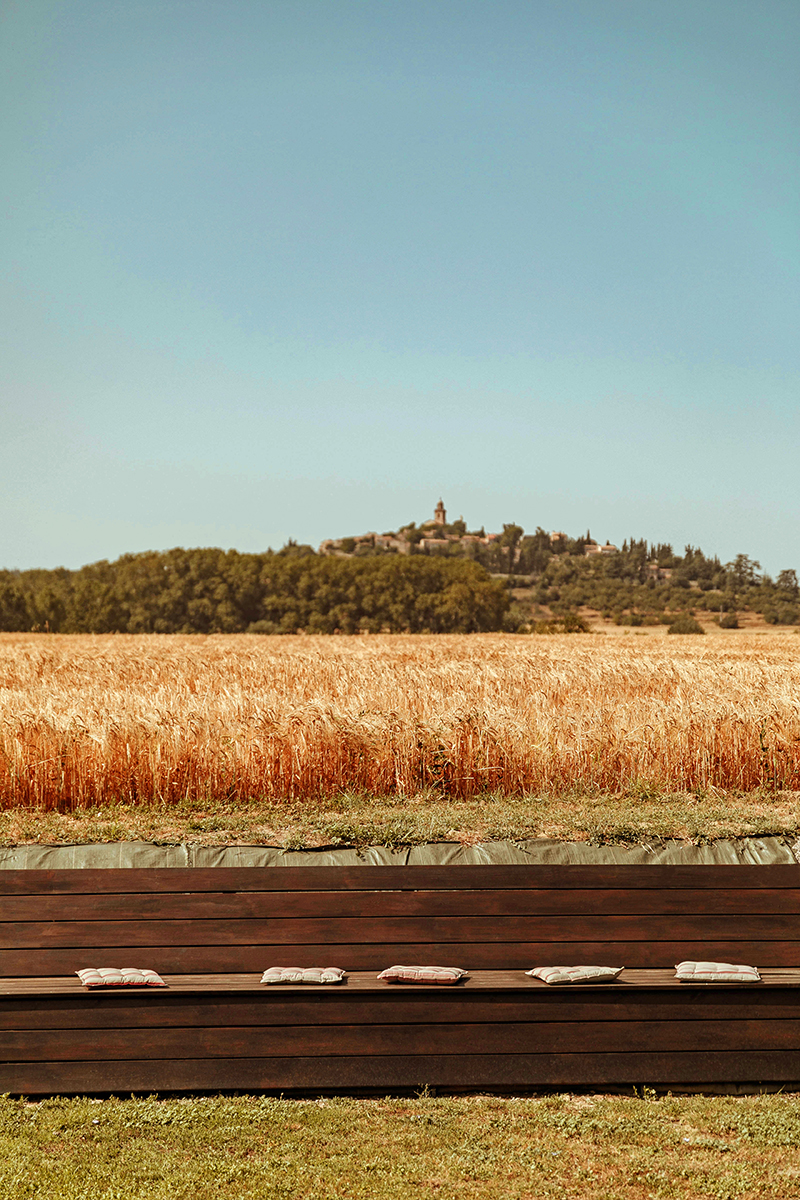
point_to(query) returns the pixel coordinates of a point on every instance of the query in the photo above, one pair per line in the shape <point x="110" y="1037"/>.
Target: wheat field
<point x="87" y="721"/>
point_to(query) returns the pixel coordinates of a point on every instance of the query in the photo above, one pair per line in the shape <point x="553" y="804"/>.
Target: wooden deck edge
<point x="457" y="1071"/>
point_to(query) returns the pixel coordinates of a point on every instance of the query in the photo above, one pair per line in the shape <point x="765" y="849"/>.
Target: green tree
<point x="15" y="616"/>
<point x="535" y="552"/>
<point x="743" y="571"/>
<point x="686" y="624"/>
<point x="787" y="582"/>
<point x="294" y="550"/>
<point x="510" y="539"/>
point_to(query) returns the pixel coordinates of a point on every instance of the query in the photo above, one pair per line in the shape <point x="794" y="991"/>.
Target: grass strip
<point x="352" y="819"/>
<point x="259" y="1148"/>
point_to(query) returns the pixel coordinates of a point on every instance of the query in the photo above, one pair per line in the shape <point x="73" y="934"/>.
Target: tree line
<point x="295" y="589"/>
<point x="288" y="591"/>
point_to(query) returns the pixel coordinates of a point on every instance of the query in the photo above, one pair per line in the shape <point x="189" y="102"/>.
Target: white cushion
<point x="575" y="974"/>
<point x="715" y="972"/>
<point x="99" y="977"/>
<point x="442" y="975"/>
<point x="303" y="975"/>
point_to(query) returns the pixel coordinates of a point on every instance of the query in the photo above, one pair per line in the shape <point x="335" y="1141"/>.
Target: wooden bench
<point x="211" y="933"/>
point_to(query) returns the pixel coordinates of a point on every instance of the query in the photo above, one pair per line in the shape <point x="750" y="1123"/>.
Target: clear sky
<point x="296" y="268"/>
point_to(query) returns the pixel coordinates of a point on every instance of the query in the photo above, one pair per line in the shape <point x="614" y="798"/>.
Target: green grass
<point x="638" y="815"/>
<point x="253" y="1148"/>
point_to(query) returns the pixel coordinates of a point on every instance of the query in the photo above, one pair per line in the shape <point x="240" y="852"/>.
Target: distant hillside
<point x="437" y="577"/>
<point x="552" y="575"/>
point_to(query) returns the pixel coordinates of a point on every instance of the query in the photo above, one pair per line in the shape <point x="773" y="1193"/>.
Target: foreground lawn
<point x="224" y="1148"/>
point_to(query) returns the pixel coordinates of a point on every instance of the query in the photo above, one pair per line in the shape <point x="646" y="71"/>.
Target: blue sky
<point x="296" y="269"/>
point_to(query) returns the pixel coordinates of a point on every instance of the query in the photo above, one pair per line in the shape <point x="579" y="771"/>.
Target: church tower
<point x="439" y="514"/>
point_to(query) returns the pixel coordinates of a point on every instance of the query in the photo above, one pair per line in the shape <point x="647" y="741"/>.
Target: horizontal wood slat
<point x="471" y="878"/>
<point x="542" y="1037"/>
<point x="385" y="1073"/>
<point x="301" y="931"/>
<point x="352" y="957"/>
<point x="561" y="902"/>
<point x="164" y="1010"/>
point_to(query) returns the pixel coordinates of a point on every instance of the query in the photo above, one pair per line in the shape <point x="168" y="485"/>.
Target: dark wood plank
<point x="533" y="1037"/>
<point x="384" y="1073"/>
<point x="178" y="960"/>
<point x="486" y="903"/>
<point x="389" y="931"/>
<point x="215" y="879"/>
<point x="160" y="1009"/>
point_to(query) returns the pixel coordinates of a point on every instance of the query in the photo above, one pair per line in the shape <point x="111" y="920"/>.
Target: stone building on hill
<point x="433" y="536"/>
<point x="592" y="548"/>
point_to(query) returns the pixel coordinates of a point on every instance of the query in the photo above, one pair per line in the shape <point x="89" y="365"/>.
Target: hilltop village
<point x="509" y="550"/>
<point x="553" y="576"/>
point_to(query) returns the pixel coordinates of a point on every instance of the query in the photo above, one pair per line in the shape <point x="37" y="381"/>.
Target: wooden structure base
<point x="217" y="1028"/>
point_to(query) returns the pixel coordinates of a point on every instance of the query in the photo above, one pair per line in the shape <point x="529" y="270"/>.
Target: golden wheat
<point x="91" y="720"/>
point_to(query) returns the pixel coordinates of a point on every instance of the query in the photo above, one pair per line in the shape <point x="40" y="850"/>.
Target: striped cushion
<point x="716" y="972"/>
<point x="303" y="975"/>
<point x="101" y="977"/>
<point x="445" y="975"/>
<point x="575" y="974"/>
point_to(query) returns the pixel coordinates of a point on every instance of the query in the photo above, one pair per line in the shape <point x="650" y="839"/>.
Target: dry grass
<point x="356" y="820"/>
<point x="485" y="1147"/>
<point x="87" y="722"/>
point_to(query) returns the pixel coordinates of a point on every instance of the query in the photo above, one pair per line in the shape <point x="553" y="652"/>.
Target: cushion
<point x="444" y="975"/>
<point x="575" y="974"/>
<point x="716" y="972"/>
<point x="303" y="975"/>
<point x="100" y="977"/>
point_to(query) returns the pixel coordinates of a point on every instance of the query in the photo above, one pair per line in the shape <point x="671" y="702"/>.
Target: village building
<point x="592" y="548"/>
<point x="392" y="541"/>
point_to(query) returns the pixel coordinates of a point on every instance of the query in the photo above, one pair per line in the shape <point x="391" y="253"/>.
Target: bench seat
<point x="367" y="981"/>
